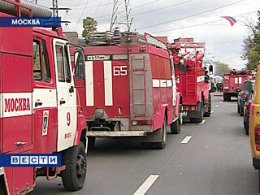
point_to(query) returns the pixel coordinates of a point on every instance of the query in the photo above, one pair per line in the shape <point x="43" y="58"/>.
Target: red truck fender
<point x="176" y="108"/>
<point x="81" y="130"/>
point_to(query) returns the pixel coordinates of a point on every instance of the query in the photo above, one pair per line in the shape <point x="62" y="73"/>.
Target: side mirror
<point x="79" y="61"/>
<point x="211" y="69"/>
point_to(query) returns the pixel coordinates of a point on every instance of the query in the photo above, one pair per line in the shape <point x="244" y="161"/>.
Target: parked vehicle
<point x="39" y="109"/>
<point x="246" y="115"/>
<point x="244" y="95"/>
<point x="128" y="88"/>
<point x="193" y="80"/>
<point x="233" y="81"/>
<point x="254" y="124"/>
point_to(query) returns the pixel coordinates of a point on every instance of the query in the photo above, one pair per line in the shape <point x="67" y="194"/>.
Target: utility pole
<point x="121" y="15"/>
<point x="55" y="10"/>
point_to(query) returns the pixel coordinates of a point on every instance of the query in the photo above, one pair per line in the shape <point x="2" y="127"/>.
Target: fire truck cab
<point x="193" y="80"/>
<point x="128" y="89"/>
<point x="39" y="109"/>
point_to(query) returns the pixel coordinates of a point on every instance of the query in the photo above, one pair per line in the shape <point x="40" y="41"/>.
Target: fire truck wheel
<point x="225" y="97"/>
<point x="176" y="127"/>
<point x="208" y="113"/>
<point x="201" y="113"/>
<point x="75" y="160"/>
<point x="228" y="97"/>
<point x="91" y="142"/>
<point x="162" y="143"/>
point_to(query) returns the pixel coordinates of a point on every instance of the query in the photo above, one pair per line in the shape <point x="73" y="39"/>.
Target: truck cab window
<point x="41" y="66"/>
<point x="45" y="63"/>
<point x="64" y="74"/>
<point x="79" y="66"/>
<point x="36" y="61"/>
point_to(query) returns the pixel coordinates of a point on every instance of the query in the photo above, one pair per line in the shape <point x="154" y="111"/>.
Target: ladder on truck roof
<point x="138" y="88"/>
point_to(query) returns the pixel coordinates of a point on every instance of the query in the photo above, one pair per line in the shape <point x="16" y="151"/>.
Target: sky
<point x="200" y="19"/>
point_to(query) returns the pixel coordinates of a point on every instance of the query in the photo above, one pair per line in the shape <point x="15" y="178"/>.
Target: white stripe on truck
<point x="108" y="83"/>
<point x="89" y="83"/>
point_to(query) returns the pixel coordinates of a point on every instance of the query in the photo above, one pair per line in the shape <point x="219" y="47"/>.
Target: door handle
<point x="38" y="103"/>
<point x="62" y="102"/>
<point x="71" y="90"/>
<point x="21" y="143"/>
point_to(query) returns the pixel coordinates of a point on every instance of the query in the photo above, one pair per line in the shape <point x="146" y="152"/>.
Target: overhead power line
<point x="166" y="7"/>
<point x="144" y="4"/>
<point x="77" y="7"/>
<point x="82" y="13"/>
<point x="192" y="15"/>
<point x="176" y="4"/>
<point x="208" y="22"/>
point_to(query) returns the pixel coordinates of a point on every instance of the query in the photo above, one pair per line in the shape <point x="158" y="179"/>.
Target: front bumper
<point x="116" y="133"/>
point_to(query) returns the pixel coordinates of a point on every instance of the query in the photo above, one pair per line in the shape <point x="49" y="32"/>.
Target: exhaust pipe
<point x="37" y="10"/>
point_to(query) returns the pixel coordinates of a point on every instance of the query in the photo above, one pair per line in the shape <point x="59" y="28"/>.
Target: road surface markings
<point x="217" y="106"/>
<point x="202" y="122"/>
<point x="186" y="140"/>
<point x="212" y="111"/>
<point x="146" y="185"/>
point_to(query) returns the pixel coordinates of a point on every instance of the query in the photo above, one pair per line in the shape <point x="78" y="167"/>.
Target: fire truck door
<point x="66" y="96"/>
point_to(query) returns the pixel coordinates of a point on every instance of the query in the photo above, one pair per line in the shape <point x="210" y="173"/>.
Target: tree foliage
<point x="89" y="26"/>
<point x="221" y="68"/>
<point x="251" y="50"/>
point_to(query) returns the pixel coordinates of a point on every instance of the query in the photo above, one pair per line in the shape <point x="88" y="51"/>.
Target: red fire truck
<point x="233" y="81"/>
<point x="192" y="77"/>
<point x="39" y="112"/>
<point x="128" y="89"/>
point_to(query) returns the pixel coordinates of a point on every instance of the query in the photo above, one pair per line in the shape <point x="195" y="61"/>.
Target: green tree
<point x="89" y="26"/>
<point x="221" y="68"/>
<point x="251" y="50"/>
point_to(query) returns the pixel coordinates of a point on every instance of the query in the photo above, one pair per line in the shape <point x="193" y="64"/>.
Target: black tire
<point x="75" y="160"/>
<point x="208" y="113"/>
<point x="91" y="142"/>
<point x="246" y="126"/>
<point x="228" y="97"/>
<point x="162" y="143"/>
<point x="238" y="108"/>
<point x="176" y="125"/>
<point x="201" y="113"/>
<point x="241" y="111"/>
<point x="225" y="97"/>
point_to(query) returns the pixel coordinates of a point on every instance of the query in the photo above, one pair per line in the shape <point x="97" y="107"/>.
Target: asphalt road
<point x="216" y="160"/>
